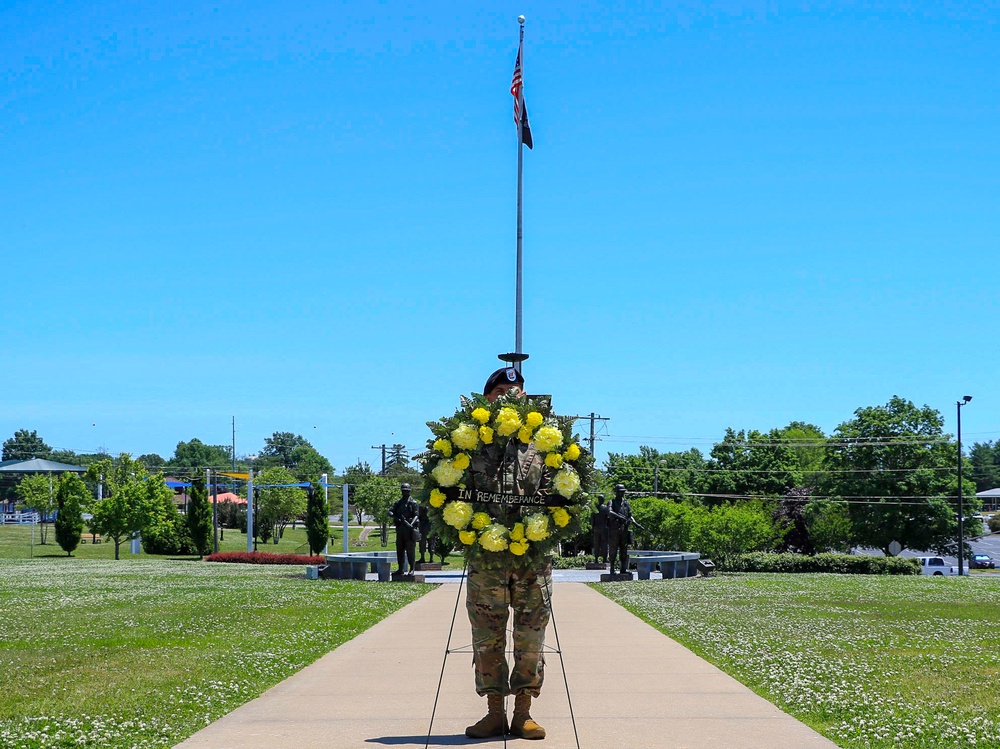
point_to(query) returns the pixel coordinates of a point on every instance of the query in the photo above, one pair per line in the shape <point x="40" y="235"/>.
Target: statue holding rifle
<point x="405" y="514"/>
<point x="619" y="529"/>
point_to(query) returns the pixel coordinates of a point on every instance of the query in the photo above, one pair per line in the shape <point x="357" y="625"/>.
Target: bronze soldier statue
<point x="619" y="529"/>
<point x="405" y="513"/>
<point x="525" y="589"/>
<point x="599" y="524"/>
<point x="424" y="526"/>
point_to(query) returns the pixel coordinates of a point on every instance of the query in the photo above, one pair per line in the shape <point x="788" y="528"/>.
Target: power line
<point x="592" y="419"/>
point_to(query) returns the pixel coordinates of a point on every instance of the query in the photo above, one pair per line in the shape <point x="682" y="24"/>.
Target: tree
<point x="196" y="454"/>
<point x="789" y="514"/>
<point x="354" y="477"/>
<point x="293" y="451"/>
<point x="670" y="474"/>
<point x="25" y="445"/>
<point x="807" y="446"/>
<point x="985" y="460"/>
<point x="199" y="517"/>
<point x="731" y="529"/>
<point x="277" y="503"/>
<point x="71" y="498"/>
<point x="829" y="525"/>
<point x="895" y="467"/>
<point x="374" y="497"/>
<point x="152" y="461"/>
<point x="123" y="508"/>
<point x="317" y="519"/>
<point x="308" y="464"/>
<point x="162" y="526"/>
<point x="751" y="464"/>
<point x="669" y="525"/>
<point x="36" y="492"/>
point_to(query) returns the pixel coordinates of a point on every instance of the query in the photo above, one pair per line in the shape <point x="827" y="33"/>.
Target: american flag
<point x="516" y="90"/>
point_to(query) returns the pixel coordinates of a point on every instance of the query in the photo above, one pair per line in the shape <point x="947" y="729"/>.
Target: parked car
<point x="936" y="566"/>
<point x="981" y="562"/>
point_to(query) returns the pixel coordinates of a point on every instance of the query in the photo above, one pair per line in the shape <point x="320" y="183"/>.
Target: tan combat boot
<point x="494" y="723"/>
<point x="521" y="724"/>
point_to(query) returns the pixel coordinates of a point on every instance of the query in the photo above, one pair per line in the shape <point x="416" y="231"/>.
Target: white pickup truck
<point x="937" y="566"/>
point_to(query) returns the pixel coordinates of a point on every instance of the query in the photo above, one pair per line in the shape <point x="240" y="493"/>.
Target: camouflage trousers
<point x="491" y="594"/>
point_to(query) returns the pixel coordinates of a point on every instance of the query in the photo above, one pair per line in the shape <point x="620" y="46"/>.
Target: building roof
<point x="39" y="465"/>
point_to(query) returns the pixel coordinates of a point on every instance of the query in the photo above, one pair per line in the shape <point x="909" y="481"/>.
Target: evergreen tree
<point x="317" y="519"/>
<point x="71" y="496"/>
<point x="199" y="517"/>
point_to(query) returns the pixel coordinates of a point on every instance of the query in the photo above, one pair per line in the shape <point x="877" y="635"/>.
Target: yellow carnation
<point x="458" y="514"/>
<point x="446" y="474"/>
<point x="481" y="415"/>
<point x="461" y="461"/>
<point x="507" y="421"/>
<point x="548" y="439"/>
<point x="443" y="446"/>
<point x="560" y="516"/>
<point x="533" y="419"/>
<point x="524" y="434"/>
<point x="567" y="482"/>
<point x="437" y="498"/>
<point x="536" y="527"/>
<point x="480" y="520"/>
<point x="467" y="537"/>
<point x="494" y="538"/>
<point x="466" y="437"/>
<point x="517" y="532"/>
<point x="517" y="548"/>
<point x="554" y="460"/>
<point x="486" y="435"/>
<point x="572" y="452"/>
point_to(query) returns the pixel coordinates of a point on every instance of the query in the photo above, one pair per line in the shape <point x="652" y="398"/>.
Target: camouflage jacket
<point x="518" y="469"/>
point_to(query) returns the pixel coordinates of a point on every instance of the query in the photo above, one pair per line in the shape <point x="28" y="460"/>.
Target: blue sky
<point x="303" y="215"/>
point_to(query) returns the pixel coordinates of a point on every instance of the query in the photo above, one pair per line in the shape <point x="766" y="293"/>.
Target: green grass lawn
<point x="15" y="543"/>
<point x="143" y="652"/>
<point x="869" y="661"/>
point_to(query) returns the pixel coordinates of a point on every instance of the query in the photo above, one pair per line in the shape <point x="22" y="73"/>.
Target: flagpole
<point x="518" y="340"/>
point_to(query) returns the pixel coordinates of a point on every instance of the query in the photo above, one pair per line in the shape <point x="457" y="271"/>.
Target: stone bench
<point x="353" y="565"/>
<point x="671" y="563"/>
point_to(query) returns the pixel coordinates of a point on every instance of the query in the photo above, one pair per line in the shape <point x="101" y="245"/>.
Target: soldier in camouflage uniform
<point x="518" y="469"/>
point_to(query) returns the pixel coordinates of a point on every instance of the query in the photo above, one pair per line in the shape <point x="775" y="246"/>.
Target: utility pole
<point x="593" y="420"/>
<point x="382" y="448"/>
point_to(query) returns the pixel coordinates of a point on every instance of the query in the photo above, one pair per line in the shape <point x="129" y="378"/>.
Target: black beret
<point x="502" y="376"/>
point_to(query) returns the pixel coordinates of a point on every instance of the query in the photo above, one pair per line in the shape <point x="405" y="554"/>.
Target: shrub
<point x="845" y="564"/>
<point x="994" y="523"/>
<point x="263" y="557"/>
<point x="572" y="563"/>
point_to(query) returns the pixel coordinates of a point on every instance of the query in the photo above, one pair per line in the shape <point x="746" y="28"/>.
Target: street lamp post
<point x="961" y="511"/>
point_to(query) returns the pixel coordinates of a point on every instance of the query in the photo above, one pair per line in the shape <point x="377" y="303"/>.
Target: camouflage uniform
<point x="524" y="587"/>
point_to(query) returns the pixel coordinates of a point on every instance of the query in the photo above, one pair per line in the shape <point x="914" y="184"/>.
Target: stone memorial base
<point x="406" y="577"/>
<point x="616" y="577"/>
<point x="596" y="566"/>
<point x="428" y="565"/>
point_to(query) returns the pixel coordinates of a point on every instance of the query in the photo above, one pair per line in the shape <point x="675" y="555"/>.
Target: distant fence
<point x="19" y="518"/>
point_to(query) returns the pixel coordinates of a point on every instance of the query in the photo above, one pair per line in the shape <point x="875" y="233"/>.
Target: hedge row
<point x="572" y="563"/>
<point x="263" y="557"/>
<point x="846" y="564"/>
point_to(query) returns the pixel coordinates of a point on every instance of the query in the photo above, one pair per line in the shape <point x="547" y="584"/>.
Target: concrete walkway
<point x="631" y="687"/>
